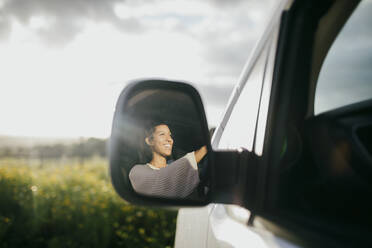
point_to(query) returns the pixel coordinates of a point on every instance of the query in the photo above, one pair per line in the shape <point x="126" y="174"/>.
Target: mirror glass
<point x="160" y="146"/>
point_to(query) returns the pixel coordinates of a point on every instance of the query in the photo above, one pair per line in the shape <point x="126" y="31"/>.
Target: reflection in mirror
<point x="161" y="145"/>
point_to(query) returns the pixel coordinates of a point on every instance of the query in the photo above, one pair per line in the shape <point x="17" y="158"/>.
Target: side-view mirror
<point x="160" y="145"/>
<point x="160" y="151"/>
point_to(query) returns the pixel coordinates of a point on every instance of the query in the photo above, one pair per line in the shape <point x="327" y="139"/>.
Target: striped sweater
<point x="176" y="180"/>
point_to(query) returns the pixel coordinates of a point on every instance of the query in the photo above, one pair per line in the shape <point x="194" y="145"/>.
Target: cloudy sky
<point x="64" y="63"/>
<point x="346" y="75"/>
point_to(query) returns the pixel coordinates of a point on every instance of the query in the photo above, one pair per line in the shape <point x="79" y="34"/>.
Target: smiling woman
<point x="177" y="179"/>
<point x="150" y="157"/>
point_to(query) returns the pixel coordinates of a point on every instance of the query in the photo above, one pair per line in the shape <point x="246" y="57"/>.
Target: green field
<point x="66" y="204"/>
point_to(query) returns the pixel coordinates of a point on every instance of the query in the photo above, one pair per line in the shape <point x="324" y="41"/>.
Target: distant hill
<point x="20" y="141"/>
<point x="51" y="148"/>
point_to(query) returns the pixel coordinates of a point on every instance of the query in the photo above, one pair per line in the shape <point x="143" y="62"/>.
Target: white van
<point x="290" y="165"/>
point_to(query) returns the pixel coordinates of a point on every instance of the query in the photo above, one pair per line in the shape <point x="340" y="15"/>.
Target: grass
<point x="72" y="205"/>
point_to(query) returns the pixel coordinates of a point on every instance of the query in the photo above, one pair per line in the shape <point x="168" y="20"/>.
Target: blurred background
<point x="63" y="66"/>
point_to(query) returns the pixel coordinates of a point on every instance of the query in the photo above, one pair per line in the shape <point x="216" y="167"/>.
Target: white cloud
<point x="37" y="22"/>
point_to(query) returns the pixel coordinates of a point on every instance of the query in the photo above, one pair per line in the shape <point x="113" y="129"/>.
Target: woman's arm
<point x="199" y="154"/>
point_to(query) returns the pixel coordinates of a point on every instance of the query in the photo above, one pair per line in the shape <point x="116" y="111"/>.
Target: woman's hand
<point x="199" y="154"/>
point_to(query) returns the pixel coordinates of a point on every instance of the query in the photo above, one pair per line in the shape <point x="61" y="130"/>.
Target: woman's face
<point x="161" y="141"/>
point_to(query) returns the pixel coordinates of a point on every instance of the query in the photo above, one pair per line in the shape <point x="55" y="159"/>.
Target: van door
<point x="243" y="127"/>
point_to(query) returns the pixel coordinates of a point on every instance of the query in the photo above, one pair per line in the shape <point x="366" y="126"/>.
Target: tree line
<point x="82" y="149"/>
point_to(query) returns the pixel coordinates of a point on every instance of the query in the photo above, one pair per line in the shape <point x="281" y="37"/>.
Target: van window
<point x="240" y="128"/>
<point x="346" y="75"/>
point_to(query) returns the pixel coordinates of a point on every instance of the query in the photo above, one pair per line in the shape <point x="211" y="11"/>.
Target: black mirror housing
<point x="177" y="103"/>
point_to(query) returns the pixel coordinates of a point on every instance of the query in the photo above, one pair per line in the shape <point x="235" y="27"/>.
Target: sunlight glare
<point x="84" y="78"/>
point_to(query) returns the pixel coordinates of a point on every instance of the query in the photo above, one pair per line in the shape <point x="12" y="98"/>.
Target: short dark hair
<point x="151" y="125"/>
